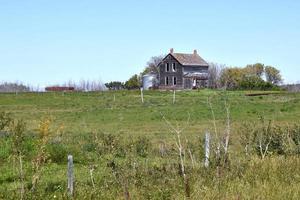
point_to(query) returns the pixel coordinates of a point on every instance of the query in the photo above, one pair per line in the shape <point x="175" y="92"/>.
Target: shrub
<point x="268" y="138"/>
<point x="142" y="146"/>
<point x="57" y="152"/>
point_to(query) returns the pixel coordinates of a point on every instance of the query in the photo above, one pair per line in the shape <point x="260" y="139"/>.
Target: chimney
<point x="195" y="52"/>
<point x="171" y="50"/>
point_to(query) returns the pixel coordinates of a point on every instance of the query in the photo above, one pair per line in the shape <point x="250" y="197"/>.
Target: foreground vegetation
<point x="124" y="148"/>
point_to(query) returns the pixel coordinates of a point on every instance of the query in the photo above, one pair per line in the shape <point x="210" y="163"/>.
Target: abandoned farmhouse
<point x="182" y="71"/>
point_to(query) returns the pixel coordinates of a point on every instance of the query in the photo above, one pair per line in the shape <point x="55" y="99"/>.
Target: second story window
<point x="167" y="67"/>
<point x="174" y="67"/>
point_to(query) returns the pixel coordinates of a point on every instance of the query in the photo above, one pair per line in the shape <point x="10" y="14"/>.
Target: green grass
<point x="137" y="127"/>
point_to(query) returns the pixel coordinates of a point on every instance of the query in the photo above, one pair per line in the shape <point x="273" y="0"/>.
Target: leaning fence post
<point x="207" y="143"/>
<point x="142" y="95"/>
<point x="70" y="175"/>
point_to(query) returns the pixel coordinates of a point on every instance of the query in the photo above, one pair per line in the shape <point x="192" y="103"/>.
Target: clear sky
<point x="52" y="41"/>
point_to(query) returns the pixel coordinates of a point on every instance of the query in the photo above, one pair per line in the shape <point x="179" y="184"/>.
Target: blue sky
<point x="51" y="41"/>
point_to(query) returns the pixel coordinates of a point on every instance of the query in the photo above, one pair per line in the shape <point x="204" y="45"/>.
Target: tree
<point x="231" y="77"/>
<point x="256" y="69"/>
<point x="115" y="85"/>
<point x="133" y="83"/>
<point x="273" y="75"/>
<point x="13" y="87"/>
<point x="214" y="74"/>
<point x="151" y="66"/>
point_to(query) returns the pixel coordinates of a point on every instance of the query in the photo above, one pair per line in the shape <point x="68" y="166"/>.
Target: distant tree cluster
<point x="115" y="85"/>
<point x="85" y="85"/>
<point x="13" y="87"/>
<point x="132" y="83"/>
<point x="256" y="76"/>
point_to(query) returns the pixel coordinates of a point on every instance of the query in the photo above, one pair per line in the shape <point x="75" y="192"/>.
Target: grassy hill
<point x="123" y="146"/>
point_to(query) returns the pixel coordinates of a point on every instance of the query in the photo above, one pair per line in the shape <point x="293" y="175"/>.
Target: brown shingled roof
<point x="189" y="59"/>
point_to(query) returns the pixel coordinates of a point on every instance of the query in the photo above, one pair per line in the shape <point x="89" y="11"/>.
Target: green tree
<point x="273" y="75"/>
<point x="231" y="77"/>
<point x="133" y="83"/>
<point x="115" y="85"/>
<point x="256" y="69"/>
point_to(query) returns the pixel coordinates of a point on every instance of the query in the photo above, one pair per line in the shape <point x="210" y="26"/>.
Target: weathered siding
<point x="191" y="69"/>
<point x="163" y="73"/>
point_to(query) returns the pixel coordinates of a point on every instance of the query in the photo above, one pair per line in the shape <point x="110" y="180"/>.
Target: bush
<point x="142" y="145"/>
<point x="57" y="152"/>
<point x="268" y="138"/>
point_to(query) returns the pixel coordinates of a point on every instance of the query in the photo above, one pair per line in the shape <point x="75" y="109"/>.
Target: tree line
<point x="253" y="76"/>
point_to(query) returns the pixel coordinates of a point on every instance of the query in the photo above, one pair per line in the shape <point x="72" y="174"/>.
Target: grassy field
<point x="130" y="150"/>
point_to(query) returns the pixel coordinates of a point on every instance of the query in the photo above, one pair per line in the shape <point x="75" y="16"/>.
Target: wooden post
<point x="142" y="95"/>
<point x="207" y="143"/>
<point x="174" y="96"/>
<point x="70" y="175"/>
<point x="114" y="97"/>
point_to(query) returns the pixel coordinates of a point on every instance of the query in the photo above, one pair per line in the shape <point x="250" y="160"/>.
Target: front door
<point x="187" y="83"/>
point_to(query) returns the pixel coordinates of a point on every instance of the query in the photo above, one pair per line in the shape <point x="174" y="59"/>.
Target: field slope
<point x="122" y="146"/>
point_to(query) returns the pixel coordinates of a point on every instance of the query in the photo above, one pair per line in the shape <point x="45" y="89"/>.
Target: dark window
<point x="174" y="67"/>
<point x="167" y="67"/>
<point x="167" y="80"/>
<point x="174" y="80"/>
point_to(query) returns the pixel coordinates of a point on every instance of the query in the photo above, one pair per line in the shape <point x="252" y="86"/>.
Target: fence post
<point x="142" y="95"/>
<point x="207" y="143"/>
<point x="174" y="96"/>
<point x="70" y="175"/>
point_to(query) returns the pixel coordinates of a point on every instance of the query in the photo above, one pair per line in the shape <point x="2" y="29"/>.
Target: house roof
<point x="198" y="75"/>
<point x="189" y="59"/>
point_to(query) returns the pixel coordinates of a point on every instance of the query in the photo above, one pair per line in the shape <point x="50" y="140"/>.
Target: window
<point x="174" y="67"/>
<point x="167" y="80"/>
<point x="174" y="80"/>
<point x="167" y="67"/>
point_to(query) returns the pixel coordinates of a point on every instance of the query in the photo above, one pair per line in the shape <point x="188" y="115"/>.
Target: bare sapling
<point x="181" y="152"/>
<point x="190" y="154"/>
<point x="91" y="169"/>
<point x="265" y="139"/>
<point x="224" y="140"/>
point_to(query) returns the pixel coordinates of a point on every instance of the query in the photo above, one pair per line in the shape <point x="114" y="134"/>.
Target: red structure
<point x="59" y="89"/>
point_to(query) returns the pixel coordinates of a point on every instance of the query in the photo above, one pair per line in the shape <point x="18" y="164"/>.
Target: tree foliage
<point x="115" y="85"/>
<point x="250" y="77"/>
<point x="133" y="83"/>
<point x="273" y="75"/>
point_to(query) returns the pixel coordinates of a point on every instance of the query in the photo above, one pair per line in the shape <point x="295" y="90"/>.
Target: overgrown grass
<point x="129" y="148"/>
